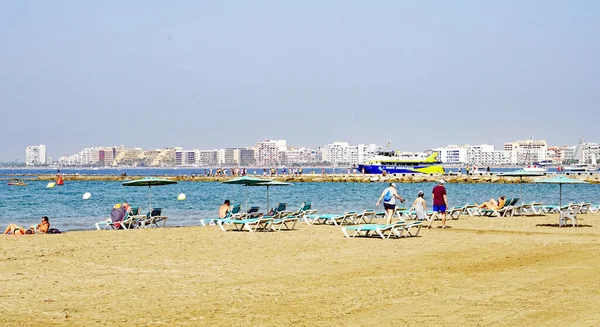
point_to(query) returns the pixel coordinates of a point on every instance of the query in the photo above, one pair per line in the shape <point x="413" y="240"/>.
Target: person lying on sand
<point x="42" y="228"/>
<point x="14" y="229"/>
<point x="493" y="204"/>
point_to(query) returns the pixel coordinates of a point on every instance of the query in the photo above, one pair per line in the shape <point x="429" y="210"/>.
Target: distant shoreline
<point x="483" y="177"/>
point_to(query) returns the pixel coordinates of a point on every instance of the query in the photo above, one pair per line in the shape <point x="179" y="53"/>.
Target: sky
<point x="215" y="74"/>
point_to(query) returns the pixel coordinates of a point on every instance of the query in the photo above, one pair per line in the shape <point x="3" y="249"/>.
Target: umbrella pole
<point x="246" y="198"/>
<point x="149" y="198"/>
<point x="267" y="199"/>
<point x="559" y="196"/>
<point x="521" y="182"/>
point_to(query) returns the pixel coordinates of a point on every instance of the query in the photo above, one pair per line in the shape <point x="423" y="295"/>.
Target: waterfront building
<point x="342" y="153"/>
<point x="188" y="158"/>
<point x="452" y="154"/>
<point x="524" y="152"/>
<point x="485" y="155"/>
<point x="302" y="156"/>
<point x="482" y="155"/>
<point x="557" y="154"/>
<point x="591" y="152"/>
<point x="270" y="153"/>
<point x="129" y="157"/>
<point x="220" y="157"/>
<point x="35" y="155"/>
<point x="246" y="157"/>
<point x="207" y="158"/>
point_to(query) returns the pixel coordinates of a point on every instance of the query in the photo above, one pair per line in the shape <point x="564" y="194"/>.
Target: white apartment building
<point x="524" y="152"/>
<point x="452" y="154"/>
<point x="35" y="155"/>
<point x="591" y="152"/>
<point x="207" y="158"/>
<point x="344" y="153"/>
<point x="220" y="156"/>
<point x="485" y="155"/>
<point x="301" y="155"/>
<point x="270" y="152"/>
<point x="478" y="155"/>
<point x="186" y="158"/>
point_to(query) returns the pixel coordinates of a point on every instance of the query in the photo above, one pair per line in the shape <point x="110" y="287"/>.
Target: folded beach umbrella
<point x="149" y="181"/>
<point x="560" y="180"/>
<point x="520" y="173"/>
<point x="247" y="181"/>
<point x="271" y="183"/>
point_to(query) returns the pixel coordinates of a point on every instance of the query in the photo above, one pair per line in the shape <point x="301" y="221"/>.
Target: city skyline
<point x="202" y="74"/>
<point x="277" y="152"/>
<point x="55" y="156"/>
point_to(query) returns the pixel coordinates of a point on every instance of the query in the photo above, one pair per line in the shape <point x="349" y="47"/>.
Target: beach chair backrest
<point x="135" y="211"/>
<point x="306" y="206"/>
<point x="155" y="212"/>
<point x="253" y="209"/>
<point x="235" y="209"/>
<point x="281" y="207"/>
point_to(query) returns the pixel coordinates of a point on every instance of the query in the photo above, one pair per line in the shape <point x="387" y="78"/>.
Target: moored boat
<point x="535" y="168"/>
<point x="393" y="163"/>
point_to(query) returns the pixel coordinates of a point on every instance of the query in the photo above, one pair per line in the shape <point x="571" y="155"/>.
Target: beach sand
<point x="481" y="272"/>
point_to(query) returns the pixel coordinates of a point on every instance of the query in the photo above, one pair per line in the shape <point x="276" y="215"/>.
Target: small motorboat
<point x="17" y="182"/>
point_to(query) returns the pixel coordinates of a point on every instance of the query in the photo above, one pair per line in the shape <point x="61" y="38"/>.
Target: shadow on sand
<point x="557" y="225"/>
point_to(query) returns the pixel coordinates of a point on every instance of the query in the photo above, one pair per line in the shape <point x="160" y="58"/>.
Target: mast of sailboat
<point x="579" y="151"/>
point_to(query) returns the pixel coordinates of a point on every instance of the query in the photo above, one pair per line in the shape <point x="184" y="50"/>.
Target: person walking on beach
<point x="440" y="202"/>
<point x="389" y="196"/>
<point x="420" y="207"/>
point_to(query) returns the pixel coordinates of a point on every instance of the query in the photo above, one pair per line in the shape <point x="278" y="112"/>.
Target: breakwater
<point x="349" y="178"/>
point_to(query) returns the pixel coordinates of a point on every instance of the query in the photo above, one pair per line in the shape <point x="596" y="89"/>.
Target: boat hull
<point x="536" y="169"/>
<point x="390" y="169"/>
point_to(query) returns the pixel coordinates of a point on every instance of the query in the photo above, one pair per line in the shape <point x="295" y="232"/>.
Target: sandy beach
<point x="481" y="272"/>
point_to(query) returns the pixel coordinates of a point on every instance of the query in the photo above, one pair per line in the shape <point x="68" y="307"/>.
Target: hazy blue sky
<point x="211" y="74"/>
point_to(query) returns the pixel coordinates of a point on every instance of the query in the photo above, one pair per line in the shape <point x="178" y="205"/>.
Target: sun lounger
<point x="153" y="218"/>
<point x="531" y="209"/>
<point x="258" y="224"/>
<point x="281" y="206"/>
<point x="507" y="210"/>
<point x="399" y="212"/>
<point x="455" y="212"/>
<point x="234" y="213"/>
<point x="133" y="218"/>
<point x="305" y="209"/>
<point x="130" y="221"/>
<point x="408" y="227"/>
<point x="584" y="207"/>
<point x="288" y="222"/>
<point x="366" y="217"/>
<point x="470" y="209"/>
<point x="250" y="224"/>
<point x="368" y="230"/>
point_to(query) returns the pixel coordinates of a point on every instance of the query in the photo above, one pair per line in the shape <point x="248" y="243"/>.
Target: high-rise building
<point x="35" y="155"/>
<point x="344" y="153"/>
<point x="524" y="152"/>
<point x="207" y="158"/>
<point x="268" y="153"/>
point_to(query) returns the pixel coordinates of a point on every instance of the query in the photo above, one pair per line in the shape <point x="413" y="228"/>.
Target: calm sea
<point x="68" y="211"/>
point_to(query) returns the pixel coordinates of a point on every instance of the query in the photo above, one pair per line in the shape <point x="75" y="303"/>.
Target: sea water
<point x="67" y="209"/>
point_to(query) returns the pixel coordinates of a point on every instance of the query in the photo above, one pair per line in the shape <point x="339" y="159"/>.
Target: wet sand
<point x="481" y="272"/>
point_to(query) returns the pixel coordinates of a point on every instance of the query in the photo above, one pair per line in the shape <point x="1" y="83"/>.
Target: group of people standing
<point x="440" y="203"/>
